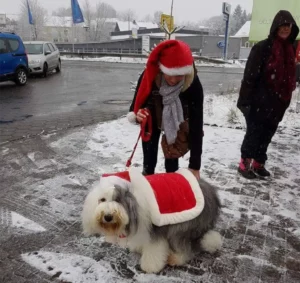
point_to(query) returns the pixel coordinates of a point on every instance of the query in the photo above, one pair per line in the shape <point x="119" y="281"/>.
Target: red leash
<point x="143" y="134"/>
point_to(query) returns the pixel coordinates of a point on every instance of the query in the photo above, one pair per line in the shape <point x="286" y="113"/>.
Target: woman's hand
<point x="141" y="115"/>
<point x="196" y="173"/>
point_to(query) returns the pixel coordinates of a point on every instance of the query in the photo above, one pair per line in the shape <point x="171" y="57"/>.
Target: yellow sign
<point x="168" y="20"/>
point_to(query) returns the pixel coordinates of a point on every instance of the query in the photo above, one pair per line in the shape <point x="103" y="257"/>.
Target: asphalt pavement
<point x="84" y="93"/>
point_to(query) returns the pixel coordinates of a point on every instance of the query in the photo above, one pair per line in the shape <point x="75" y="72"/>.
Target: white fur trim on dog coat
<point x="169" y="198"/>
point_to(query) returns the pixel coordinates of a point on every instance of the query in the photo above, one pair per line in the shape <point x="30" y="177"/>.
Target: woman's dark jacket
<point x="256" y="100"/>
<point x="192" y="101"/>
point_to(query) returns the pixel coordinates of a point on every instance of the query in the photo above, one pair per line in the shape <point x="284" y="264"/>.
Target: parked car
<point x="43" y="57"/>
<point x="13" y="59"/>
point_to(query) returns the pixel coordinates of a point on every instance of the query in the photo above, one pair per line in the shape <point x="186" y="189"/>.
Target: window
<point x="51" y="47"/>
<point x="247" y="44"/>
<point x="46" y="48"/>
<point x="3" y="46"/>
<point x="14" y="44"/>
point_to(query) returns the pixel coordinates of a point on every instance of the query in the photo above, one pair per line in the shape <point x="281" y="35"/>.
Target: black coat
<point x="192" y="101"/>
<point x="256" y="100"/>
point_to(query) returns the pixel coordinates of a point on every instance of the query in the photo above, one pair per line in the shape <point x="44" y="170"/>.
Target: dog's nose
<point x="108" y="218"/>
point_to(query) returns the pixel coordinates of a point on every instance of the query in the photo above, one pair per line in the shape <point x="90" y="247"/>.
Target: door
<point x="54" y="54"/>
<point x="6" y="58"/>
<point x="49" y="57"/>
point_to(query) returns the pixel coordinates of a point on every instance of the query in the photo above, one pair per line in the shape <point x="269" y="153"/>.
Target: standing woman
<point x="169" y="96"/>
<point x="266" y="91"/>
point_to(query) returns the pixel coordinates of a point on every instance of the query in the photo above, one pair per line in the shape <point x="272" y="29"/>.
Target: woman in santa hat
<point x="170" y="91"/>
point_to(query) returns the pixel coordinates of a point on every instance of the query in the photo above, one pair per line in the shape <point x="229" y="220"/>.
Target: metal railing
<point x="126" y="53"/>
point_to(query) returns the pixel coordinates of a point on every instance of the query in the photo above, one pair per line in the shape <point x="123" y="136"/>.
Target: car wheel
<point x="58" y="68"/>
<point x="21" y="77"/>
<point x="45" y="70"/>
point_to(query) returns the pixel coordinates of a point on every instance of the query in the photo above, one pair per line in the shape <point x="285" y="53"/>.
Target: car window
<point x="14" y="44"/>
<point x="3" y="46"/>
<point x="46" y="48"/>
<point x="54" y="46"/>
<point x="34" y="48"/>
<point x="51" y="47"/>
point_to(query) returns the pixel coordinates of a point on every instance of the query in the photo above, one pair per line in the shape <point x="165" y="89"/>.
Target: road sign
<point x="135" y="32"/>
<point x="221" y="44"/>
<point x="145" y="44"/>
<point x="226" y="8"/>
<point x="168" y="20"/>
<point x="226" y="17"/>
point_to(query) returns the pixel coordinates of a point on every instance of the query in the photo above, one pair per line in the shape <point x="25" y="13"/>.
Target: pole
<point x="172" y="8"/>
<point x="172" y="4"/>
<point x="73" y="37"/>
<point x="226" y="40"/>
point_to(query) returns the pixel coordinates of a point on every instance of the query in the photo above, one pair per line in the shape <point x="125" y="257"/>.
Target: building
<point x="243" y="34"/>
<point x="8" y="22"/>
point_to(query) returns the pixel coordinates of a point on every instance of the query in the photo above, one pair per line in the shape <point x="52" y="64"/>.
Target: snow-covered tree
<point x="96" y="20"/>
<point x="39" y="15"/>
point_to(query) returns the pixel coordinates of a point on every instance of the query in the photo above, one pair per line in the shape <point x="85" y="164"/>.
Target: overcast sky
<point x="184" y="10"/>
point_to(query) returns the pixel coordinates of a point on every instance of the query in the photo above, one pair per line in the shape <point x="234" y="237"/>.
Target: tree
<point x="39" y="15"/>
<point x="156" y="17"/>
<point x="237" y="13"/>
<point x="96" y="20"/>
<point x="216" y="25"/>
<point x="62" y="12"/>
<point x="128" y="15"/>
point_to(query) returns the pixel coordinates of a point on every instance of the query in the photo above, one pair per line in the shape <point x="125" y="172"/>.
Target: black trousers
<point x="257" y="139"/>
<point x="150" y="151"/>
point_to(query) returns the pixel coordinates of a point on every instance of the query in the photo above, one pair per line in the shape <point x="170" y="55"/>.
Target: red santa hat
<point x="173" y="58"/>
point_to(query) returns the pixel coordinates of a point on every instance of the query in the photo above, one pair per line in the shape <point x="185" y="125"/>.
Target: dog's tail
<point x="211" y="241"/>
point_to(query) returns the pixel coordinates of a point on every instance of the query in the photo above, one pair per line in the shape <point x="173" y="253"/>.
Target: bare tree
<point x="96" y="20"/>
<point x="156" y="17"/>
<point x="62" y="12"/>
<point x="39" y="15"/>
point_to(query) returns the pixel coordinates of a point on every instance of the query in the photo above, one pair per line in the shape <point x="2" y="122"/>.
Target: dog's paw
<point x="175" y="259"/>
<point x="151" y="264"/>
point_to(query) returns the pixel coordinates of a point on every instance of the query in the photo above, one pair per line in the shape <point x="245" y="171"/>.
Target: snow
<point x="262" y="206"/>
<point x="20" y="221"/>
<point x="244" y="31"/>
<point x="128" y="60"/>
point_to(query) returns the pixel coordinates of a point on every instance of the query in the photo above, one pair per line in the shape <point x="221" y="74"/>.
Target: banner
<point x="76" y="12"/>
<point x="264" y="12"/>
<point x="30" y="18"/>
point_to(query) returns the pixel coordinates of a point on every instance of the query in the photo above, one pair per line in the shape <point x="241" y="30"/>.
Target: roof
<point x="244" y="31"/>
<point x="125" y="25"/>
<point x="36" y="42"/>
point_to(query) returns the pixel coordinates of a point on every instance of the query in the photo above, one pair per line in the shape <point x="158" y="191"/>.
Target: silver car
<point x="43" y="57"/>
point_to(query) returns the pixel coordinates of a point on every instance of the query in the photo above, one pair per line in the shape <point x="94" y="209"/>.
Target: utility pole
<point x="172" y="8"/>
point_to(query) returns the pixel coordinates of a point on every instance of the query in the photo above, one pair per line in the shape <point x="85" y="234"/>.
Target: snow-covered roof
<point x="244" y="31"/>
<point x="125" y="25"/>
<point x="13" y="17"/>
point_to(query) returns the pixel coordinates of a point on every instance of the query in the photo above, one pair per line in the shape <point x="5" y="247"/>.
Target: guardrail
<point x="129" y="55"/>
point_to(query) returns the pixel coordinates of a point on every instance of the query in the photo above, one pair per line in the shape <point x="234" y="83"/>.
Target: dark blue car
<point x="13" y="59"/>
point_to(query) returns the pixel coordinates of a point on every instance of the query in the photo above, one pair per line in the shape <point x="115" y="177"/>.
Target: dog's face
<point x="111" y="217"/>
<point x="110" y="210"/>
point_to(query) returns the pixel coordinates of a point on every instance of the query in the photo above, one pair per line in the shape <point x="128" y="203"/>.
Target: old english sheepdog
<point x="166" y="226"/>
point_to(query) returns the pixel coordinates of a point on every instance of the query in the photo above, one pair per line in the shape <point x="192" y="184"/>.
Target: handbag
<point x="181" y="145"/>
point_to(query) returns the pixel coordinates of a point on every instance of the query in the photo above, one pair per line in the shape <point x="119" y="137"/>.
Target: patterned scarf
<point x="281" y="69"/>
<point x="172" y="115"/>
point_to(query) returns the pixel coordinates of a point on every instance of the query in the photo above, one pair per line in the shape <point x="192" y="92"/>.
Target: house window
<point x="247" y="44"/>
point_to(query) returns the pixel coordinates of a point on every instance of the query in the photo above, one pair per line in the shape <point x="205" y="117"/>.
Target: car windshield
<point x="34" y="48"/>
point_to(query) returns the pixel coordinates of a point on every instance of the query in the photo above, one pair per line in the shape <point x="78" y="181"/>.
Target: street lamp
<point x="87" y="28"/>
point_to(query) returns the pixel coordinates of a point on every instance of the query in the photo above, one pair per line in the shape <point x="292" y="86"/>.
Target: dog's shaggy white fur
<point x="112" y="210"/>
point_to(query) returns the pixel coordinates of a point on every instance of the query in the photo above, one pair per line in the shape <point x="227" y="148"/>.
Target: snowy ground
<point x="128" y="60"/>
<point x="260" y="220"/>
